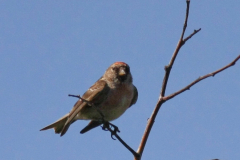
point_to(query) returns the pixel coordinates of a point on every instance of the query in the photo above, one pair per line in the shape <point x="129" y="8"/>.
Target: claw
<point x="114" y="127"/>
<point x="107" y="127"/>
<point x="115" y="130"/>
<point x="112" y="134"/>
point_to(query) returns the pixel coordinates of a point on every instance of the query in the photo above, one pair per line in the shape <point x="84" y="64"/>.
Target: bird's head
<point x="118" y="72"/>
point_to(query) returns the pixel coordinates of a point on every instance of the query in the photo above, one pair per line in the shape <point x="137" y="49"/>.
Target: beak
<point x="122" y="72"/>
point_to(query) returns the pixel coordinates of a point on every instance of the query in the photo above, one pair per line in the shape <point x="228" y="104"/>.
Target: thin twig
<point x="186" y="20"/>
<point x="124" y="143"/>
<point x="190" y="36"/>
<point x="181" y="42"/>
<point x="166" y="98"/>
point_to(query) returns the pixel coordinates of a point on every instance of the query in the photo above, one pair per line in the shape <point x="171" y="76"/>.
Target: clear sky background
<point x="49" y="49"/>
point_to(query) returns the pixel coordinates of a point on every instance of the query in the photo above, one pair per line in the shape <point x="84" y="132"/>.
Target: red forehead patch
<point x="117" y="63"/>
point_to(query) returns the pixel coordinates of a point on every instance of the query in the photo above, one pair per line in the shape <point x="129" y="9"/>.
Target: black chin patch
<point x="122" y="78"/>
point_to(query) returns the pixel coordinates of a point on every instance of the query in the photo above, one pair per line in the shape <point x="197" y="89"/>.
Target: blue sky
<point x="50" y="49"/>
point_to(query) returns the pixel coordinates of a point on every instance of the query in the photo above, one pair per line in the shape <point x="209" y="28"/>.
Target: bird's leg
<point x="105" y="125"/>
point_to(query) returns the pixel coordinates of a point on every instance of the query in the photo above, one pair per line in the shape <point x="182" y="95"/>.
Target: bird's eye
<point x="113" y="68"/>
<point x="127" y="69"/>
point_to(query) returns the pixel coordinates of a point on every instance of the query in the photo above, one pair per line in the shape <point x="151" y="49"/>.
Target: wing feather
<point x="96" y="94"/>
<point x="135" y="96"/>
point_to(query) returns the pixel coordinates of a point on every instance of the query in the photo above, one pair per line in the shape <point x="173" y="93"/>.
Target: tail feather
<point x="58" y="125"/>
<point x="90" y="126"/>
<point x="65" y="128"/>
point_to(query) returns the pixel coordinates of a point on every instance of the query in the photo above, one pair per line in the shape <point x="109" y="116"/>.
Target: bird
<point x="106" y="100"/>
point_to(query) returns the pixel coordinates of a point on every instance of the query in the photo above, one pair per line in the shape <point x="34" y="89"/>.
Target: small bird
<point x="111" y="96"/>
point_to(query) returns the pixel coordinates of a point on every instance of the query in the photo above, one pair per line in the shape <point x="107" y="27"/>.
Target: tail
<point x="90" y="126"/>
<point x="58" y="125"/>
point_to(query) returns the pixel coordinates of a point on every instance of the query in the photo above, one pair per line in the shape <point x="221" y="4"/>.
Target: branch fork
<point x="162" y="98"/>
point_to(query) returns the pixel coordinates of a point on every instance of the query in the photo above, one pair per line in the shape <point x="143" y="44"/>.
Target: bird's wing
<point x="96" y="94"/>
<point x="135" y="96"/>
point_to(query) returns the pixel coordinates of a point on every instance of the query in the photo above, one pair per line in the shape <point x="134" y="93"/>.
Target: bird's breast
<point x="118" y="101"/>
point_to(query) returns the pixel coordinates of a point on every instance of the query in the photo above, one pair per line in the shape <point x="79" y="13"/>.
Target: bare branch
<point x="166" y="98"/>
<point x="201" y="78"/>
<point x="162" y="97"/>
<point x="168" y="68"/>
<point x="190" y="36"/>
<point x="181" y="42"/>
<point x="186" y="20"/>
<point x="113" y="132"/>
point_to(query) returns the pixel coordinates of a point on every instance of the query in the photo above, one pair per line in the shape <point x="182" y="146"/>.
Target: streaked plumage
<point x="112" y="94"/>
